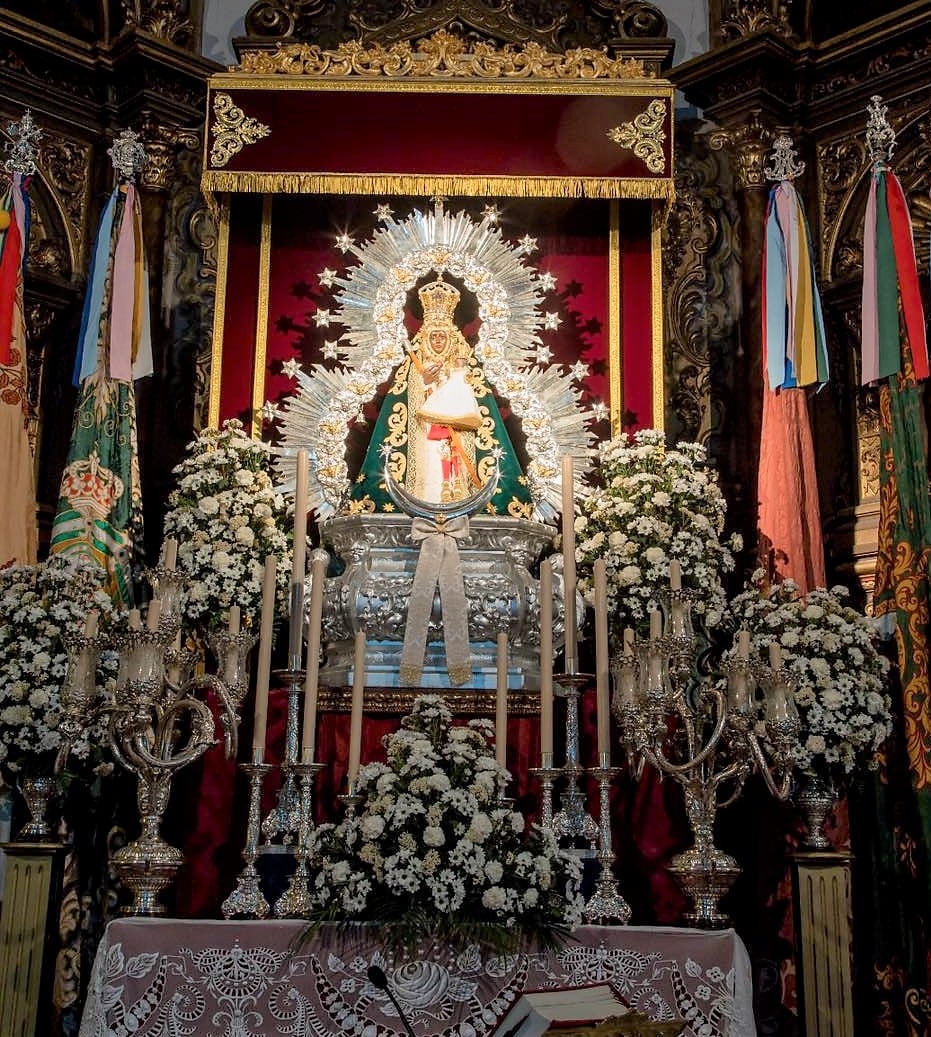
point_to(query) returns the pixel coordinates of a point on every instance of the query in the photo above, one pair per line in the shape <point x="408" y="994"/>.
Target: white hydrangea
<point x="432" y="839"/>
<point x="655" y="504"/>
<point x="227" y="518"/>
<point x="39" y="604"/>
<point x="840" y="678"/>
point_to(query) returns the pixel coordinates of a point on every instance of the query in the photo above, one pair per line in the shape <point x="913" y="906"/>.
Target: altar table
<point x="245" y="979"/>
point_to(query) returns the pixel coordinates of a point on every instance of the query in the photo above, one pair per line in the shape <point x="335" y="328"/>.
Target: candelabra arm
<point x="665" y="764"/>
<point x="739" y="774"/>
<point x="781" y="790"/>
<point x="165" y="759"/>
<point x="229" y="718"/>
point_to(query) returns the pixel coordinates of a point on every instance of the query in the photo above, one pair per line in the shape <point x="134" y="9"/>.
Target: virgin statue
<point x="439" y="423"/>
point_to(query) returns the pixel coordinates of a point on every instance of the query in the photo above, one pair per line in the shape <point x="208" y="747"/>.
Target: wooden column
<point x="823" y="936"/>
<point x="28" y="936"/>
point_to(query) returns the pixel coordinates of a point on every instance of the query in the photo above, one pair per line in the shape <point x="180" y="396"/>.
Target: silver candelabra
<point x="701" y="730"/>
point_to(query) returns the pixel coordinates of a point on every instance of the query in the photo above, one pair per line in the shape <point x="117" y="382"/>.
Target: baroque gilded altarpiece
<point x="574" y="149"/>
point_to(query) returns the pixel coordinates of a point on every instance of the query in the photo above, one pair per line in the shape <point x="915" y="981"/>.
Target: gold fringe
<point x="469" y="186"/>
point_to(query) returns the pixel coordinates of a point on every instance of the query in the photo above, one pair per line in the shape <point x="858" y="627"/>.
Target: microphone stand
<point x="378" y="979"/>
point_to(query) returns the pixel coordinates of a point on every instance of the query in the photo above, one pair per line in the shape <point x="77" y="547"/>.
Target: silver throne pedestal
<point x="373" y="591"/>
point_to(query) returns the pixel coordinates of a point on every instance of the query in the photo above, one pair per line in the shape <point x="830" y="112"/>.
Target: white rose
<point x="208" y="506"/>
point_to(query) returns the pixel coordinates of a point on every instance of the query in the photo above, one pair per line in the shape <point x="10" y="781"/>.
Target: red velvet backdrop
<point x="572" y="239"/>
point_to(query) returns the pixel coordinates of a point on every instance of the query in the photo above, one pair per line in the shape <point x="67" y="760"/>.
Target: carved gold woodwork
<point x="749" y="146"/>
<point x="232" y="130"/>
<point x="702" y="278"/>
<point x="398" y="701"/>
<point x="165" y="19"/>
<point x="635" y="27"/>
<point x="868" y="445"/>
<point x="741" y="18"/>
<point x="443" y="55"/>
<point x="644" y="136"/>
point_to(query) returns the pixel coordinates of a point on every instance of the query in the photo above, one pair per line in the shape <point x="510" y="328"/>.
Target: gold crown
<point x="439" y="301"/>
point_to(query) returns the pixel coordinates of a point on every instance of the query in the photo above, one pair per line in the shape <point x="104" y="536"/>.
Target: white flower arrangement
<point x="654" y="504"/>
<point x="38" y="604"/>
<point x="226" y="516"/>
<point x="433" y="850"/>
<point x="841" y="679"/>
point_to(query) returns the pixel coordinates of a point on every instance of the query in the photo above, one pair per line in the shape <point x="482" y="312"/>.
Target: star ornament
<point x="527" y="244"/>
<point x="547" y="280"/>
<point x="327" y="277"/>
<point x="271" y="411"/>
<point x="491" y="213"/>
<point x="322" y="318"/>
<point x="600" y="410"/>
<point x="550" y="321"/>
<point x="383" y="212"/>
<point x="544" y="354"/>
<point x="343" y="242"/>
<point x="290" y="368"/>
<point x="579" y="370"/>
<point x="330" y="350"/>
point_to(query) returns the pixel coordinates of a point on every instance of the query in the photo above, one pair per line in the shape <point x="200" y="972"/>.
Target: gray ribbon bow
<point x="438" y="564"/>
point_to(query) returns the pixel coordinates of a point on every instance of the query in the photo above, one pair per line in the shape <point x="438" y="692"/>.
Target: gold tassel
<point x="216" y="181"/>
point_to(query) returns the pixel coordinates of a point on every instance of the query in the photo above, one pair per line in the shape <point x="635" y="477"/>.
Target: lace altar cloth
<point x="171" y="978"/>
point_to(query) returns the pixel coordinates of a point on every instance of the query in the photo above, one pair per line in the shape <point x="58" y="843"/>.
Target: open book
<point x="536" y="1011"/>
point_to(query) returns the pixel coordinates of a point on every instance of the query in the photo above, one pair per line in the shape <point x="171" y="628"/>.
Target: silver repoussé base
<point x="606" y="904"/>
<point x="247" y="899"/>
<point x="374" y="591"/>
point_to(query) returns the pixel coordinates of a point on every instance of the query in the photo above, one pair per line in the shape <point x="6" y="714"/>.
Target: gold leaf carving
<point x="645" y="135"/>
<point x="444" y="55"/>
<point x="232" y="130"/>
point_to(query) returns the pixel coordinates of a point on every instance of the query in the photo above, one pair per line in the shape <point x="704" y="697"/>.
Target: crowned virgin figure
<point x="439" y="425"/>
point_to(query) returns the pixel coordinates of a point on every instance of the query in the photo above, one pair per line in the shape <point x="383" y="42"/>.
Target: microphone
<point x="378" y="979"/>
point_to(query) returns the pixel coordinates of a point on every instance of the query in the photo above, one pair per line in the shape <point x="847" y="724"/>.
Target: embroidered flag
<point x="18" y="514"/>
<point x="100" y="503"/>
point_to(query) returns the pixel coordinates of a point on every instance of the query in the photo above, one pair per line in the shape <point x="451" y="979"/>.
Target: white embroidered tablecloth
<point x="171" y="978"/>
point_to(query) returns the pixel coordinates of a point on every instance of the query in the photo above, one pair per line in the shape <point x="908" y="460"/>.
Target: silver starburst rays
<point x="370" y="301"/>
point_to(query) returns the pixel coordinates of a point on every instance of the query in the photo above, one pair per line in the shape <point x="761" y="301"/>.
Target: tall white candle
<point x="675" y="575"/>
<point x="358" y="701"/>
<point x="501" y="701"/>
<point x="775" y="656"/>
<point x="265" y="658"/>
<point x="154" y="614"/>
<point x="656" y="624"/>
<point x="743" y="644"/>
<point x="308" y="730"/>
<point x="232" y="657"/>
<point x="298" y="561"/>
<point x="568" y="560"/>
<point x="171" y="554"/>
<point x="602" y="702"/>
<point x="546" y="658"/>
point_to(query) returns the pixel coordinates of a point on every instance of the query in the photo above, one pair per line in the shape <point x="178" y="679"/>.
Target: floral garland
<point x="38" y="605"/>
<point x="829" y="647"/>
<point x="432" y="850"/>
<point x="226" y="517"/>
<point x="653" y="505"/>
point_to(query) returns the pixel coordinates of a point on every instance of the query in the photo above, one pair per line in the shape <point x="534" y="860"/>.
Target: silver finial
<point x="128" y="156"/>
<point x="785" y="166"/>
<point x="23" y="146"/>
<point x="880" y="136"/>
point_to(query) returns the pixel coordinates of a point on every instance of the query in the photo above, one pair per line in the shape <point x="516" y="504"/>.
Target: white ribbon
<point x="438" y="564"/>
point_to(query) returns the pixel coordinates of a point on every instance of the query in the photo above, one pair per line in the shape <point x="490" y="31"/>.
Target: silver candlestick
<point x="606" y="904"/>
<point x="284" y="820"/>
<point x="247" y="899"/>
<point x="295" y="901"/>
<point x="572" y="821"/>
<point x="547" y="774"/>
